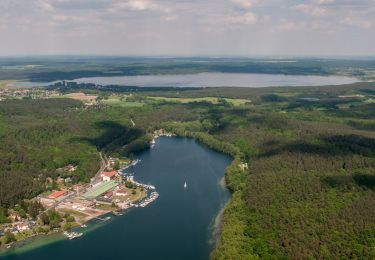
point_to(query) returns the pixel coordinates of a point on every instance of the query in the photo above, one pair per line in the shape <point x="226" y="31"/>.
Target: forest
<point x="49" y="69"/>
<point x="308" y="191"/>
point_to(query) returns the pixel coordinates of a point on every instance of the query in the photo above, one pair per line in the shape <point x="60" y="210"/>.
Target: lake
<point x="178" y="225"/>
<point x="219" y="80"/>
<point x="212" y="80"/>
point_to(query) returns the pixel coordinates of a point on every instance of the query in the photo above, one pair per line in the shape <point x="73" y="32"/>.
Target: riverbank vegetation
<point x="302" y="177"/>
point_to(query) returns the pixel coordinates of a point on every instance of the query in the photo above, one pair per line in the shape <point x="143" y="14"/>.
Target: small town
<point x="109" y="191"/>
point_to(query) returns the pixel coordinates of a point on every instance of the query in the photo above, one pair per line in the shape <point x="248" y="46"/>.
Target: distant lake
<point x="219" y="80"/>
<point x="213" y="80"/>
<point x="178" y="225"/>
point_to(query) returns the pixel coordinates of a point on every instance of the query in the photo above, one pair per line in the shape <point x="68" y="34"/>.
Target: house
<point x="121" y="193"/>
<point x="108" y="195"/>
<point x="60" y="180"/>
<point x="23" y="226"/>
<point x="71" y="168"/>
<point x="57" y="194"/>
<point x="107" y="176"/>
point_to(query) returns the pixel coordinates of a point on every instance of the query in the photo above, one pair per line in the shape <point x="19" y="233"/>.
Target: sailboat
<point x="185" y="185"/>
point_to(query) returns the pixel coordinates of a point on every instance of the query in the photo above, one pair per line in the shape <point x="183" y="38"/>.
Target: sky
<point x="182" y="27"/>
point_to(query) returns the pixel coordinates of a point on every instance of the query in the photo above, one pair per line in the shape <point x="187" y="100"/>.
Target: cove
<point x="178" y="225"/>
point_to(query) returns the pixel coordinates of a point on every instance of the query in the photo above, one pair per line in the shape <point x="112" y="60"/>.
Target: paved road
<point x="96" y="178"/>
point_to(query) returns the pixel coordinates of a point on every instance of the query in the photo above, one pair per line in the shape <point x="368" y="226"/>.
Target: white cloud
<point x="136" y="5"/>
<point x="246" y="18"/>
<point x="310" y="9"/>
<point x="207" y="22"/>
<point x="169" y="18"/>
<point x="324" y="1"/>
<point x="287" y="25"/>
<point x="44" y="5"/>
<point x="358" y="22"/>
<point x="245" y="3"/>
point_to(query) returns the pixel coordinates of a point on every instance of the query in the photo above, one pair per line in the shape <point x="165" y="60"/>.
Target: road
<point x="95" y="179"/>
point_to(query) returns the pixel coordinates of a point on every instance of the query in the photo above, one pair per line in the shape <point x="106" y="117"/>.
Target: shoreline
<point x="40" y="240"/>
<point x="89" y="221"/>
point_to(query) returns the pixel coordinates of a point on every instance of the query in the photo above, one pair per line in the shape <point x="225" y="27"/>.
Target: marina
<point x="169" y="220"/>
<point x="153" y="197"/>
<point x="72" y="235"/>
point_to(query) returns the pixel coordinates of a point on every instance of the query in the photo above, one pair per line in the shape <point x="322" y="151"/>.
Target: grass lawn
<point x="105" y="207"/>
<point x="132" y="197"/>
<point x="117" y="102"/>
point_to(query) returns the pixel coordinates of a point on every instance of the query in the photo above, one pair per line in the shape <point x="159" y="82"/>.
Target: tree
<point x="4" y="215"/>
<point x="117" y="165"/>
<point x="9" y="237"/>
<point x="34" y="208"/>
<point x="45" y="219"/>
<point x="22" y="213"/>
<point x="69" y="218"/>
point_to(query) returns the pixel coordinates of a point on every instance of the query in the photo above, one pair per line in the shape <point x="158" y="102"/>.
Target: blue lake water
<point x="178" y="225"/>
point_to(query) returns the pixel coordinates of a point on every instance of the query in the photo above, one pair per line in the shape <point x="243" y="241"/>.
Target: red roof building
<point x="57" y="194"/>
<point x="121" y="193"/>
<point x="107" y="176"/>
<point x="108" y="195"/>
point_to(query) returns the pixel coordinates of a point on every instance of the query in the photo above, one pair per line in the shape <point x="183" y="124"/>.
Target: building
<point x="57" y="194"/>
<point x="107" y="176"/>
<point x="121" y="193"/>
<point x="108" y="195"/>
<point x="23" y="226"/>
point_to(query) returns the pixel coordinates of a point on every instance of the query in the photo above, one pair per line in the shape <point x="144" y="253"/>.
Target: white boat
<point x="185" y="185"/>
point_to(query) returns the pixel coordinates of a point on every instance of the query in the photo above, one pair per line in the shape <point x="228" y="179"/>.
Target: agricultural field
<point x="212" y="100"/>
<point x="81" y="97"/>
<point x="6" y="83"/>
<point x="121" y="102"/>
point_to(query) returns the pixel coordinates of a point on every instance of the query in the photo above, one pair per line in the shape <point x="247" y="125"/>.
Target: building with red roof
<point x="107" y="176"/>
<point x="121" y="193"/>
<point x="57" y="194"/>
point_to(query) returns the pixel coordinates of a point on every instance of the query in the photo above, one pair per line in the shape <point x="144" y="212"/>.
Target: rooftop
<point x="56" y="194"/>
<point x="110" y="174"/>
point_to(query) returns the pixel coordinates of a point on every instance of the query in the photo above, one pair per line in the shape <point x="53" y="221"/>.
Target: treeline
<point x="40" y="136"/>
<point x="307" y="192"/>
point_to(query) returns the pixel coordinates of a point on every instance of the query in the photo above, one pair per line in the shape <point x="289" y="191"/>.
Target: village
<point x="111" y="191"/>
<point x="27" y="93"/>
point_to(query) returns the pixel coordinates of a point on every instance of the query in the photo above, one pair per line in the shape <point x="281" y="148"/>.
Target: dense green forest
<point x="308" y="191"/>
<point x="47" y="69"/>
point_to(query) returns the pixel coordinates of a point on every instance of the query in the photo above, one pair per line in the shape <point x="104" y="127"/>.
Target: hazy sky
<point x="182" y="27"/>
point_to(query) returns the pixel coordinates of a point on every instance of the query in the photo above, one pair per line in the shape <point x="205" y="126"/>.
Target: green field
<point x="213" y="100"/>
<point x="6" y="83"/>
<point x="102" y="188"/>
<point x="117" y="102"/>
